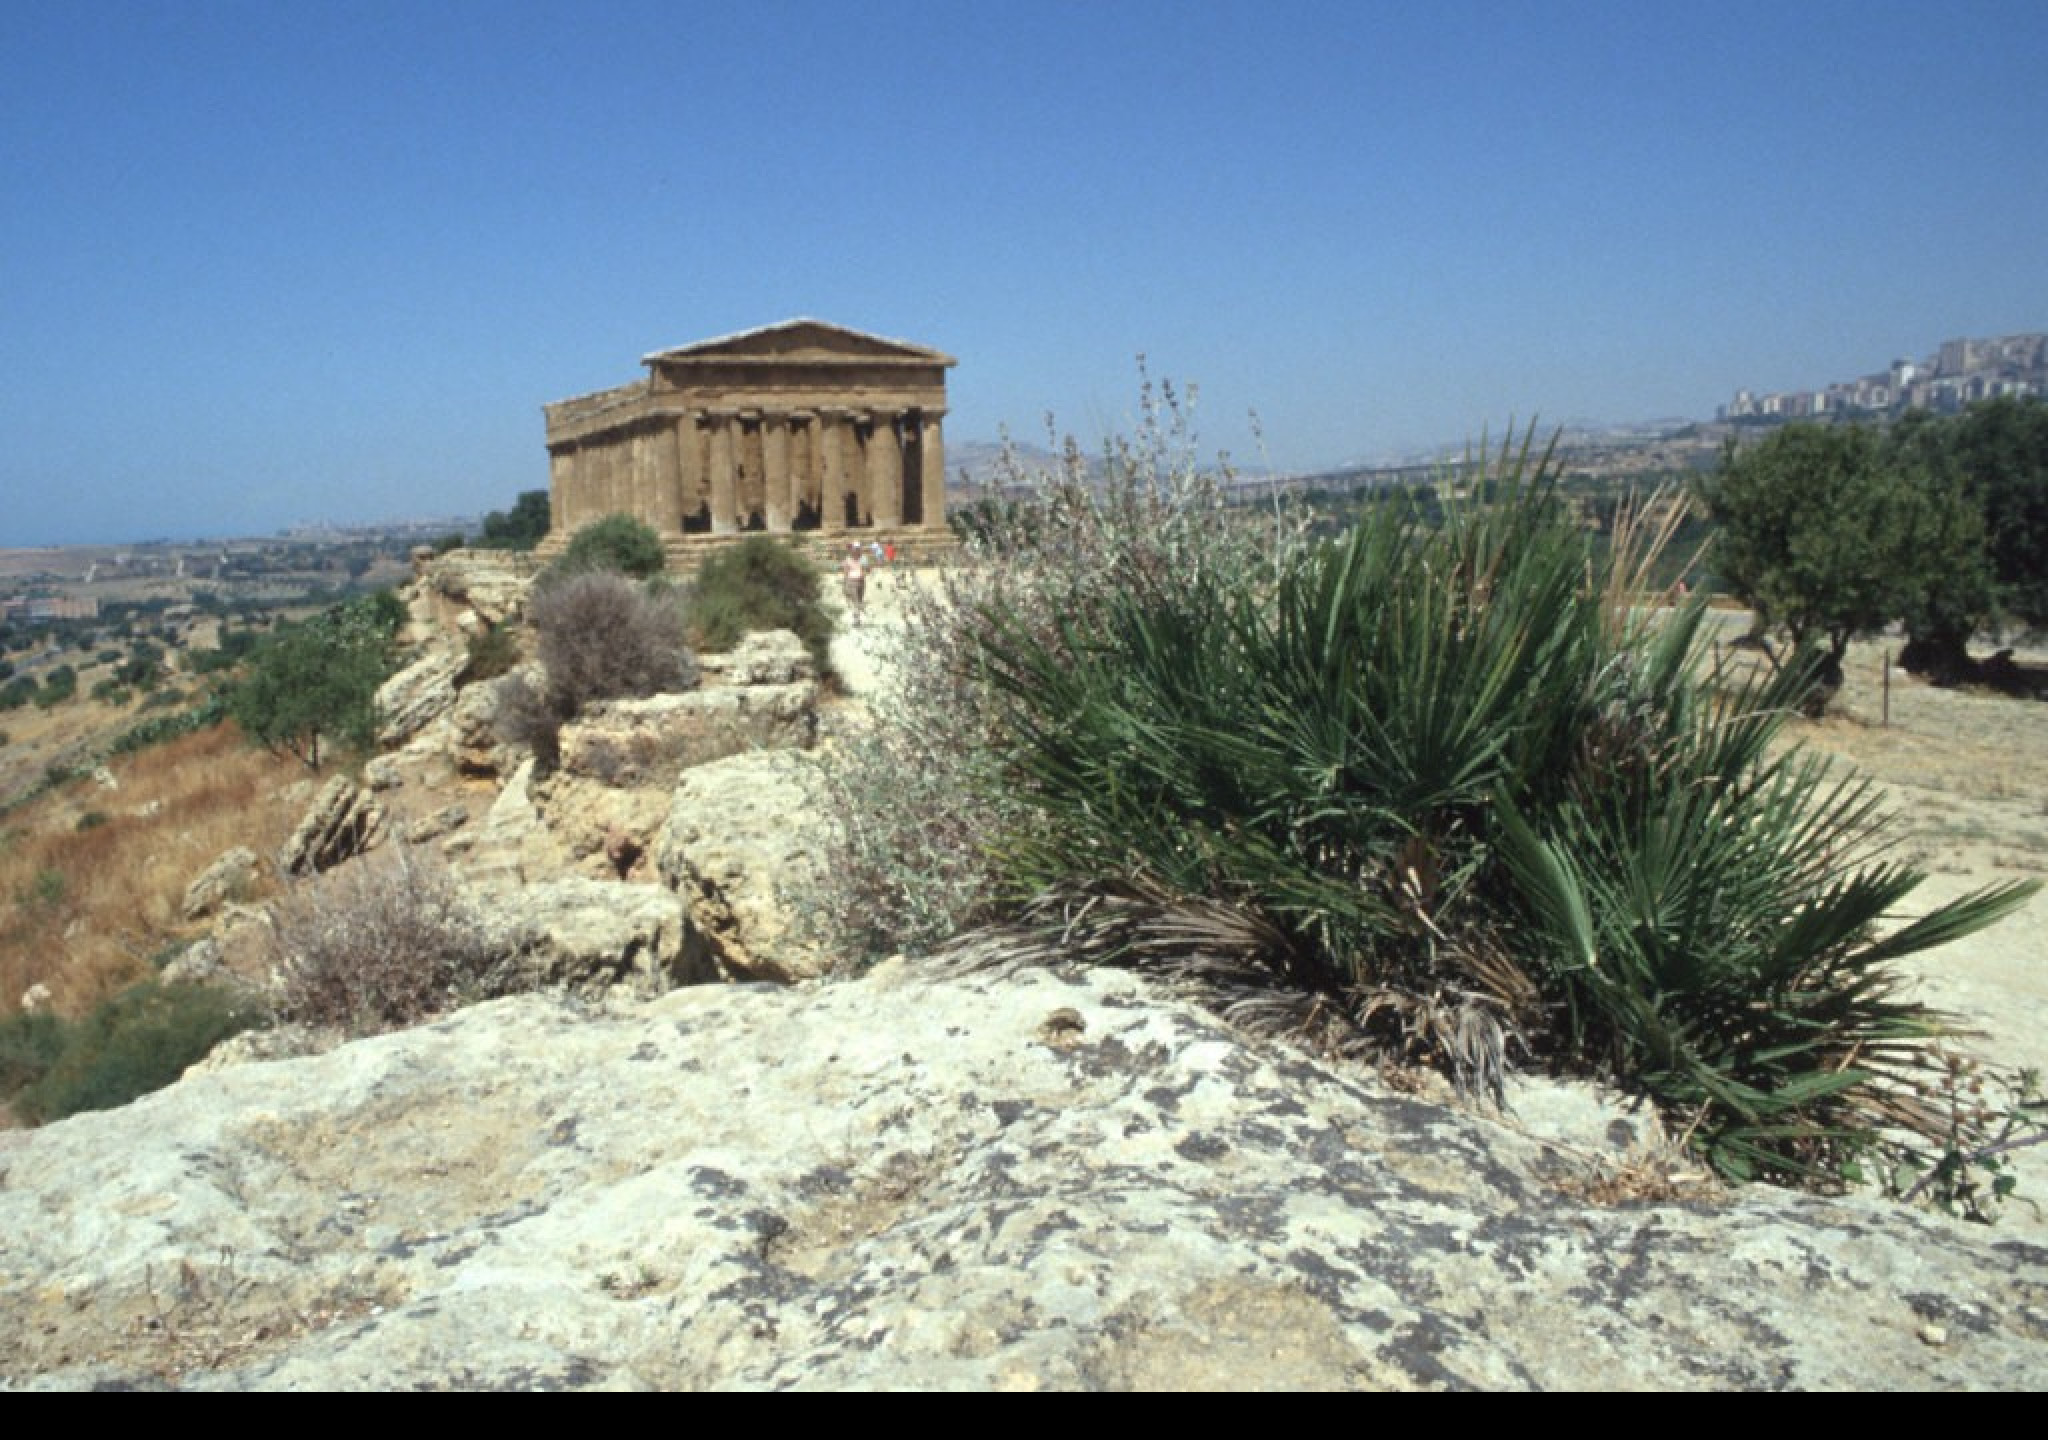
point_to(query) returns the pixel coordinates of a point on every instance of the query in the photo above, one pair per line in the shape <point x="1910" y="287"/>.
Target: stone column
<point x="777" y="477"/>
<point x="724" y="476"/>
<point x="560" y="468"/>
<point x="833" y="434"/>
<point x="639" y="486"/>
<point x="885" y="474"/>
<point x="932" y="457"/>
<point x="751" y="496"/>
<point x="696" y="475"/>
<point x="668" y="479"/>
<point x="803" y="462"/>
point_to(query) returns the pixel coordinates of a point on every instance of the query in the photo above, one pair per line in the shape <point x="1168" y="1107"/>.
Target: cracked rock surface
<point x="1023" y="1181"/>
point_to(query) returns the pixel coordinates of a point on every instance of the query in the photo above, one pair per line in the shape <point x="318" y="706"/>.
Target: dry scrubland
<point x="1966" y="771"/>
<point x="92" y="878"/>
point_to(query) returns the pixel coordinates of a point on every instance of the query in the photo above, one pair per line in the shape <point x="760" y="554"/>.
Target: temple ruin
<point x="801" y="426"/>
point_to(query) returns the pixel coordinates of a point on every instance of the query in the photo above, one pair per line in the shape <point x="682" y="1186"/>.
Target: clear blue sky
<point x="272" y="262"/>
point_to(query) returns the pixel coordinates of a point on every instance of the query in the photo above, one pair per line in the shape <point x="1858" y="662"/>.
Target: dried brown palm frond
<point x="1459" y="1015"/>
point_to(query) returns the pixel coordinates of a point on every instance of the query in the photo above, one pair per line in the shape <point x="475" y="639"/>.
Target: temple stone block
<point x="803" y="425"/>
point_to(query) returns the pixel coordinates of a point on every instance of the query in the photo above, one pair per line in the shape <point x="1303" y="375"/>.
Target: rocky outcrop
<point x="345" y="820"/>
<point x="655" y="740"/>
<point x="593" y="936"/>
<point x="767" y="657"/>
<point x="588" y="820"/>
<point x="1033" y="1182"/>
<point x="417" y="696"/>
<point x="474" y="745"/>
<point x="511" y="844"/>
<point x="473" y="587"/>
<point x="422" y="828"/>
<point x="228" y="878"/>
<point x="743" y="835"/>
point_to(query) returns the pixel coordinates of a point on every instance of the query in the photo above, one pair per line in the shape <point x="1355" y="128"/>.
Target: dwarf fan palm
<point x="1438" y="787"/>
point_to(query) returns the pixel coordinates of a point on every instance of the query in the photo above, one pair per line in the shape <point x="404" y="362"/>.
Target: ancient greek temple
<point x="794" y="427"/>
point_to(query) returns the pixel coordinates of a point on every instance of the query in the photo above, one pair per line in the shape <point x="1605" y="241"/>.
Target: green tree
<point x="58" y="686"/>
<point x="1829" y="534"/>
<point x="317" y="682"/>
<point x="2001" y="450"/>
<point x="522" y="527"/>
<point x="1950" y="595"/>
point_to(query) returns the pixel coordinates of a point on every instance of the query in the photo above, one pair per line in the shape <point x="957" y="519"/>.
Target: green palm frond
<point x="1434" y="789"/>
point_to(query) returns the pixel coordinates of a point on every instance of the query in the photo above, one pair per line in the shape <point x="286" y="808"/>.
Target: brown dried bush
<point x="382" y="943"/>
<point x="602" y="637"/>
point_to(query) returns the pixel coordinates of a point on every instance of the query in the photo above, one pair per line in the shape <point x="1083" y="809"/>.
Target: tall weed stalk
<point x="921" y="809"/>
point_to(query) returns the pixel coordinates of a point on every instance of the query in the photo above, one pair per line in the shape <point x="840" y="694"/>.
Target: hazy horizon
<point x="265" y="265"/>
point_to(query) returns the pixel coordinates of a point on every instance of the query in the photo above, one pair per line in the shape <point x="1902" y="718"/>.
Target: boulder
<point x="653" y="741"/>
<point x="479" y="585"/>
<point x="592" y="936"/>
<point x="743" y="838"/>
<point x="511" y="843"/>
<point x="1034" y="1181"/>
<point x="344" y="820"/>
<point x="229" y="877"/>
<point x="422" y="828"/>
<point x="595" y="824"/>
<point x="766" y="657"/>
<point x="474" y="745"/>
<point x="197" y="964"/>
<point x="417" y="696"/>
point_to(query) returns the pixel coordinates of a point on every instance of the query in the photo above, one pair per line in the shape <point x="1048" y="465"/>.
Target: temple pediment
<point x="800" y="342"/>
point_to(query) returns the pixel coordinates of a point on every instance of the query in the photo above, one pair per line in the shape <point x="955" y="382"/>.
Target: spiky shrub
<point x="758" y="584"/>
<point x="1439" y="791"/>
<point x="381" y="943"/>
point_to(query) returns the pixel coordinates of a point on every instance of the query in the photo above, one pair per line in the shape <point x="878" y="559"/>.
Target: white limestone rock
<point x="593" y="936"/>
<point x="490" y="585"/>
<point x="652" y="741"/>
<point x="743" y="839"/>
<point x="417" y="696"/>
<point x="1040" y="1181"/>
<point x="766" y="657"/>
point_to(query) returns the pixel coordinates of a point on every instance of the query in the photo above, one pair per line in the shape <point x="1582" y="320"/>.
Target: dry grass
<point x="91" y="879"/>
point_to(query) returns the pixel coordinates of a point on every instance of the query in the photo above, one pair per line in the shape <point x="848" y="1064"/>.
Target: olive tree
<point x="316" y="683"/>
<point x="1830" y="533"/>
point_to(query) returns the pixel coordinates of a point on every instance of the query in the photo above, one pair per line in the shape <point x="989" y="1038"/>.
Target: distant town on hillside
<point x="1960" y="373"/>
